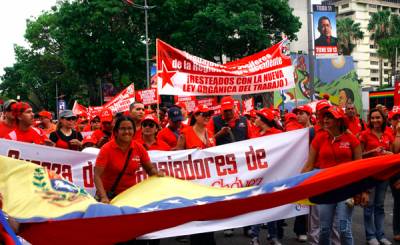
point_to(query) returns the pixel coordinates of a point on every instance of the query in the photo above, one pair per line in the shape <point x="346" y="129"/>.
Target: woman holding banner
<point x="265" y="121"/>
<point x="376" y="141"/>
<point x="198" y="136"/>
<point x="329" y="148"/>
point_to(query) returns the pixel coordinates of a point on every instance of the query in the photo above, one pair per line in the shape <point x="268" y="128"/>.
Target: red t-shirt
<point x="193" y="141"/>
<point x="5" y="129"/>
<point x="158" y="145"/>
<point x="371" y="141"/>
<point x="268" y="132"/>
<point x="250" y="129"/>
<point x="332" y="152"/>
<point x="138" y="134"/>
<point x="112" y="159"/>
<point x="293" y="125"/>
<point x="168" y="136"/>
<point x="32" y="135"/>
<point x="98" y="134"/>
<point x="353" y="125"/>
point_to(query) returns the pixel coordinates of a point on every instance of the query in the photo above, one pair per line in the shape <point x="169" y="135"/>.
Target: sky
<point x="13" y="16"/>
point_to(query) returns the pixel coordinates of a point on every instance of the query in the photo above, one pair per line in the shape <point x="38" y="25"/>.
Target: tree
<point x="348" y="33"/>
<point x="379" y="27"/>
<point x="234" y="28"/>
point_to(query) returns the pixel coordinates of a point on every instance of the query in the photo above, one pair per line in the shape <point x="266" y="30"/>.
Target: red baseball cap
<point x="202" y="108"/>
<point x="305" y="108"/>
<point x="336" y="111"/>
<point x="395" y="111"/>
<point x="45" y="114"/>
<point x="106" y="115"/>
<point x="266" y="113"/>
<point x="290" y="116"/>
<point x="227" y="103"/>
<point x="322" y="104"/>
<point x="19" y="108"/>
<point x="150" y="117"/>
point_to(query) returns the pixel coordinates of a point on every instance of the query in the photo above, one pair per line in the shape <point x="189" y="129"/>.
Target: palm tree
<point x="379" y="27"/>
<point x="348" y="33"/>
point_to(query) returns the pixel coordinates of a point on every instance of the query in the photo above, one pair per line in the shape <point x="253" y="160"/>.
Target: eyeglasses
<point x="95" y="121"/>
<point x="126" y="129"/>
<point x="148" y="124"/>
<point x="205" y="114"/>
<point x="139" y="109"/>
<point x="70" y="118"/>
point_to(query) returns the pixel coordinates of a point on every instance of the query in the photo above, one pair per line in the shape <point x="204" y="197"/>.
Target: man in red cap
<point x="24" y="131"/>
<point x="229" y="126"/>
<point x="303" y="115"/>
<point x="48" y="125"/>
<point x="8" y="124"/>
<point x="103" y="135"/>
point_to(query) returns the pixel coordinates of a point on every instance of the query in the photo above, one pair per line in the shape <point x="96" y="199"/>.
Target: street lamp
<point x="145" y="7"/>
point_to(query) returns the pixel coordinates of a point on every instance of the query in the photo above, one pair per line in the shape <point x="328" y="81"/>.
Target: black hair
<point x="131" y="106"/>
<point x="193" y="119"/>
<point x="349" y="94"/>
<point x="121" y="119"/>
<point x="320" y="21"/>
<point x="383" y="127"/>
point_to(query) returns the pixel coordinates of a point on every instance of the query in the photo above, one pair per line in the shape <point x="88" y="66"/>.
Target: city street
<point x="290" y="237"/>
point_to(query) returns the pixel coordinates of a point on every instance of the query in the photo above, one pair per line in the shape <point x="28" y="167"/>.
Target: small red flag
<point x="129" y="2"/>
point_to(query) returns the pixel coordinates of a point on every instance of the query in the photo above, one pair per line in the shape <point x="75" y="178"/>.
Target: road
<point x="290" y="237"/>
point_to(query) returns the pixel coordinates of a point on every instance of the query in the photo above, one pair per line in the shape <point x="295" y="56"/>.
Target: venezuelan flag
<point x="54" y="211"/>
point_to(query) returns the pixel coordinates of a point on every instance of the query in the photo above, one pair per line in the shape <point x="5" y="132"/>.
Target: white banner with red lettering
<point x="241" y="164"/>
<point x="180" y="73"/>
<point x="247" y="105"/>
<point x="119" y="103"/>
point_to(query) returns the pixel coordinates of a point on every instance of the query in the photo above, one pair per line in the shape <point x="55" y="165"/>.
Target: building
<point x="365" y="53"/>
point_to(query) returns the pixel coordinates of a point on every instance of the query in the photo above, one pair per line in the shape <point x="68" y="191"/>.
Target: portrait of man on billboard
<point x="325" y="31"/>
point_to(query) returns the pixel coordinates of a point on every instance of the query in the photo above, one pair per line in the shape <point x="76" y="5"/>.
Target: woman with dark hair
<point x="332" y="147"/>
<point x="197" y="134"/>
<point x="65" y="136"/>
<point x="266" y="123"/>
<point x="149" y="140"/>
<point x="376" y="141"/>
<point x="121" y="150"/>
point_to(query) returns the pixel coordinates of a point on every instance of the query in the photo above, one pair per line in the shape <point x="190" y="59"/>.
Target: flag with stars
<point x="54" y="211"/>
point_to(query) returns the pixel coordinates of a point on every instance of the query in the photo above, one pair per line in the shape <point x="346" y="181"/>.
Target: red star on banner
<point x="166" y="75"/>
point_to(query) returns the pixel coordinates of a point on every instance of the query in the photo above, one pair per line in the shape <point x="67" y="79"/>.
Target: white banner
<point x="241" y="164"/>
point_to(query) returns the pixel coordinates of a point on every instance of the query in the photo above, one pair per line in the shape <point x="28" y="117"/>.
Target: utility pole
<point x="310" y="49"/>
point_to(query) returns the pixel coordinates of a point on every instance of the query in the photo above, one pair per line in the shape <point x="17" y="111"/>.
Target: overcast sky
<point x="13" y="15"/>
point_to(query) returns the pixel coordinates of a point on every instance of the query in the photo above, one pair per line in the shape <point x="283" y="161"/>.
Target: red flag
<point x="130" y="2"/>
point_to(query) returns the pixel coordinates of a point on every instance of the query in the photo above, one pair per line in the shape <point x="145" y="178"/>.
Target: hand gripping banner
<point x="180" y="73"/>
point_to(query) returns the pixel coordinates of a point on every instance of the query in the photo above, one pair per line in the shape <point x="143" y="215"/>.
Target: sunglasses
<point x="205" y="114"/>
<point x="70" y="118"/>
<point x="148" y="124"/>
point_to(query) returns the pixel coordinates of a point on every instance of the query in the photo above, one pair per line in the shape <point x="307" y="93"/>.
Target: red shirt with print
<point x="32" y="135"/>
<point x="371" y="141"/>
<point x="112" y="159"/>
<point x="333" y="151"/>
<point x="193" y="141"/>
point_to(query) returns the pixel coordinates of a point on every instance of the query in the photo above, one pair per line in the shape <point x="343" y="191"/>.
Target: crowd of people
<point x="337" y="135"/>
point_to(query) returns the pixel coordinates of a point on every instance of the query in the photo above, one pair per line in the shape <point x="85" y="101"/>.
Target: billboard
<point x="325" y="34"/>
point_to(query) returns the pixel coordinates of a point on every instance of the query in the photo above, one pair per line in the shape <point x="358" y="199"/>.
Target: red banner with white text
<point x="147" y="96"/>
<point x="180" y="73"/>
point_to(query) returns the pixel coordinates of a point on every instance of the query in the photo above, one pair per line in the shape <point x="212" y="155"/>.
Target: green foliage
<point x="80" y="43"/>
<point x="348" y="33"/>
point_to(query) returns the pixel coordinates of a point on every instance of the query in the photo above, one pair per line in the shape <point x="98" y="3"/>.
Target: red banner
<point x="147" y="96"/>
<point x="119" y="103"/>
<point x="189" y="101"/>
<point x="180" y="73"/>
<point x="396" y="94"/>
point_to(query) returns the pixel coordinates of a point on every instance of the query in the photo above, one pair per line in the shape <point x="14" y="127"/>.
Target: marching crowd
<point x="337" y="135"/>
